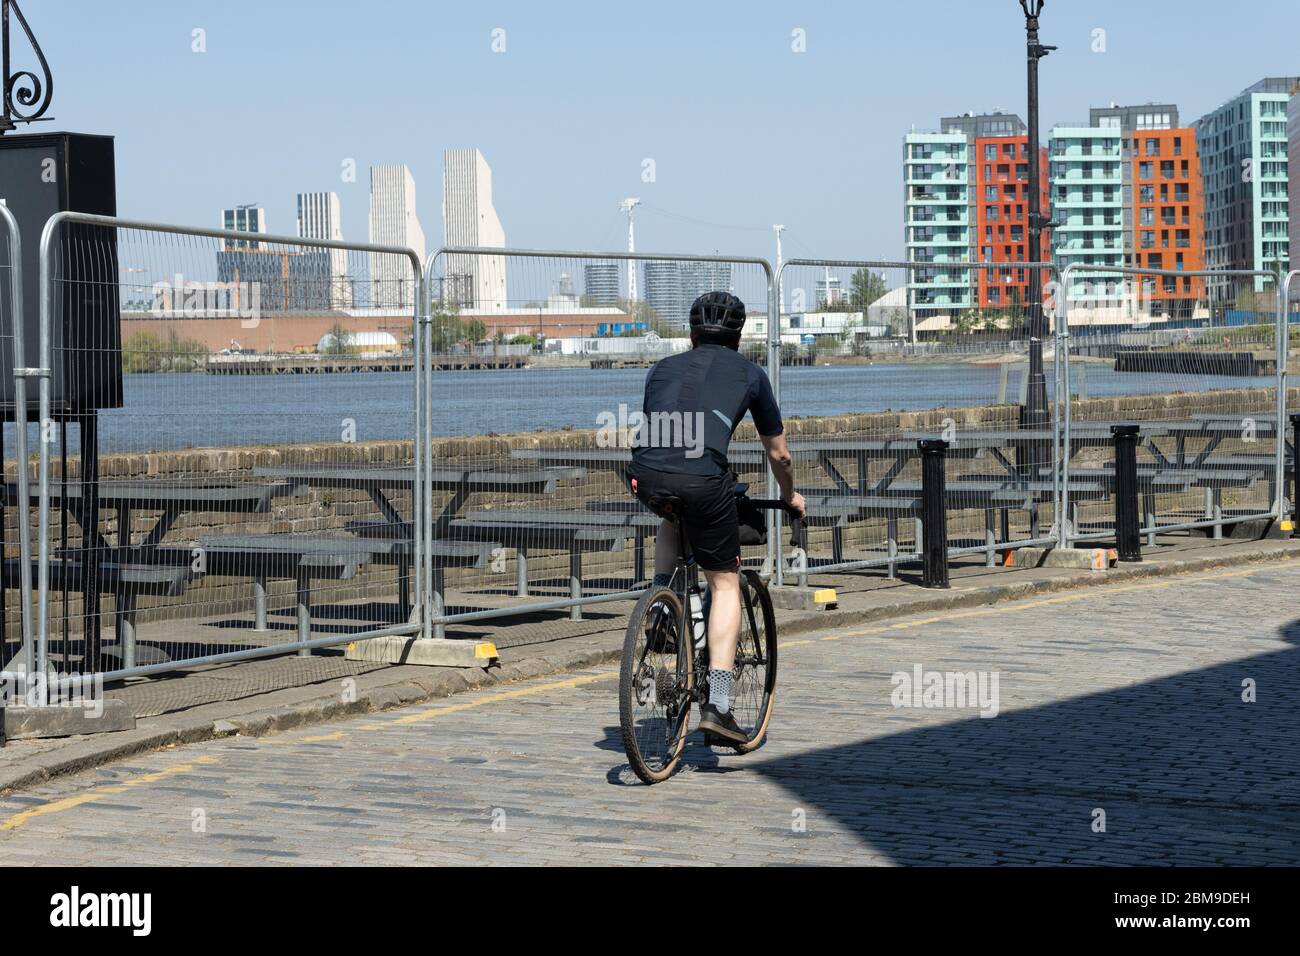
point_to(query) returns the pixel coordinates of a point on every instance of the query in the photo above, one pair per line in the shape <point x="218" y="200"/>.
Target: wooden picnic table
<point x="171" y="498"/>
<point x="461" y="482"/>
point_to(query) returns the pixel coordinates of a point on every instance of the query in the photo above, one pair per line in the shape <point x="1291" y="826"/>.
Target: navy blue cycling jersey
<point x="693" y="402"/>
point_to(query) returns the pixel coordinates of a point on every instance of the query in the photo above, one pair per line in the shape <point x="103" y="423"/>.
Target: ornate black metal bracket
<point x="26" y="95"/>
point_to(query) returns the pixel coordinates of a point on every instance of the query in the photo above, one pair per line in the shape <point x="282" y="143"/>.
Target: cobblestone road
<point x="1121" y="736"/>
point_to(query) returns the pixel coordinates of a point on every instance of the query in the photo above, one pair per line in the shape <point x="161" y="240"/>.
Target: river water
<point x="165" y="412"/>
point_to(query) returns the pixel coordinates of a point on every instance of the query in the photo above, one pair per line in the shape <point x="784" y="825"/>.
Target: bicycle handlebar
<point x="770" y="504"/>
<point x="797" y="530"/>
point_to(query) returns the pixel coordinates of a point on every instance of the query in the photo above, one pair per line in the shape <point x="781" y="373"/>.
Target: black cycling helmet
<point x="717" y="312"/>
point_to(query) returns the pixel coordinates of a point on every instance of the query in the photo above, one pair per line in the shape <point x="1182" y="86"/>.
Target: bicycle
<point x="666" y="657"/>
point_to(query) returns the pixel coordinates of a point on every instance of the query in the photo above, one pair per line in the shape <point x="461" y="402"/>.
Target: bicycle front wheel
<point x="655" y="681"/>
<point x="754" y="675"/>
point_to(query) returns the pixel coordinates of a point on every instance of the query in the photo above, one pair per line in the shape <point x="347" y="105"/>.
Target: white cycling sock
<point x="720" y="690"/>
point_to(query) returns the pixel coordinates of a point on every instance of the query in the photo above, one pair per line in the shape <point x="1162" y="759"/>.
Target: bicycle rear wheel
<point x="754" y="675"/>
<point x="655" y="680"/>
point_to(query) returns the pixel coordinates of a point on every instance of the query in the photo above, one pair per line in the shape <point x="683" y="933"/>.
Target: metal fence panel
<point x="255" y="479"/>
<point x="878" y="355"/>
<point x="1197" y="359"/>
<point x="538" y="362"/>
<point x="17" y="650"/>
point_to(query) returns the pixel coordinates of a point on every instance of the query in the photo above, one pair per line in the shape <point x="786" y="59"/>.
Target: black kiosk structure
<point x="42" y="174"/>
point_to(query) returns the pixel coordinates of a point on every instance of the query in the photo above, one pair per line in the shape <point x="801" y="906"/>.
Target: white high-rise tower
<point x="393" y="222"/>
<point x="319" y="217"/>
<point x="469" y="219"/>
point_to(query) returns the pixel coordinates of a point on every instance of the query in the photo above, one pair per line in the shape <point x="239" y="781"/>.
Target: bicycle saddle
<point x="665" y="506"/>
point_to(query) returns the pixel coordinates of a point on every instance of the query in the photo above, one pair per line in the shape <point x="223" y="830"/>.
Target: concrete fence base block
<point x="1258" y="529"/>
<point x="107" y="715"/>
<point x="1083" y="559"/>
<point x="802" y="599"/>
<point x="433" y="652"/>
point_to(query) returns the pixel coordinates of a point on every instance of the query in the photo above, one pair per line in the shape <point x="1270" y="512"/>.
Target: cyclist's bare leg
<point x="724" y="618"/>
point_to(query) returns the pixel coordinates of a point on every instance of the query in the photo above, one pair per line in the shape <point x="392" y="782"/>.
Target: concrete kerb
<point x="373" y="695"/>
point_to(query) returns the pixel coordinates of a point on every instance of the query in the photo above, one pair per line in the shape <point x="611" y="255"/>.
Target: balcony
<point x="930" y="214"/>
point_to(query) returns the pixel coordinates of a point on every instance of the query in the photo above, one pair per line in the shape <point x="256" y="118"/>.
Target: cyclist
<point x="699" y="397"/>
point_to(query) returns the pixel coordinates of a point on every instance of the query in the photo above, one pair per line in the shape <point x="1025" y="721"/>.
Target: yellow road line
<point x="337" y="735"/>
<point x="440" y="711"/>
<point x="99" y="793"/>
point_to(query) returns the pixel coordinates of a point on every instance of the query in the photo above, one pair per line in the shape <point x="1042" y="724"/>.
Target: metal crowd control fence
<point x="875" y="356"/>
<point x="538" y="362"/>
<point x="260" y="457"/>
<point x="1197" y="360"/>
<point x="17" y="650"/>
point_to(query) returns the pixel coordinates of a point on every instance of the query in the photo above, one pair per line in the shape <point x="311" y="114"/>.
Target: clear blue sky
<point x="744" y="132"/>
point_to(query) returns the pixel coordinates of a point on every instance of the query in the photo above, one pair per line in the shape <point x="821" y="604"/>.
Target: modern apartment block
<point x="1087" y="180"/>
<point x="830" y="291"/>
<point x="1293" y="176"/>
<point x="937" y="225"/>
<point x="320" y="217"/>
<point x="967" y="200"/>
<point x="248" y="218"/>
<point x="1001" y="201"/>
<point x="1163" y="214"/>
<point x="475" y="282"/>
<point x="393" y="222"/>
<point x="670" y="286"/>
<point x="600" y="283"/>
<point x="1243" y="147"/>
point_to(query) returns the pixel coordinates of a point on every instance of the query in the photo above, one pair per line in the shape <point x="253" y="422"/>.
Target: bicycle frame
<point x="685" y="583"/>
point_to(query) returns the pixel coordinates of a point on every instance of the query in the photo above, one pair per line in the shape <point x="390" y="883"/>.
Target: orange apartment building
<point x="1164" y="203"/>
<point x="1168" y="208"/>
<point x="1001" y="199"/>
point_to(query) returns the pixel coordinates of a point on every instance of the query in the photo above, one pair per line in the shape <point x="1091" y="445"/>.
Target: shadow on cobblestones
<point x="696" y="757"/>
<point x="1186" y="771"/>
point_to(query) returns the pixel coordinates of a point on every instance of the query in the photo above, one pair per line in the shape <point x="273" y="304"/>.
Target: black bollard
<point x="934" y="518"/>
<point x="1295" y="470"/>
<point x="1128" y="539"/>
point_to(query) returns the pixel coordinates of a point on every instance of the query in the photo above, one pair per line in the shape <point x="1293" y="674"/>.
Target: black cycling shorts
<point x="708" y="512"/>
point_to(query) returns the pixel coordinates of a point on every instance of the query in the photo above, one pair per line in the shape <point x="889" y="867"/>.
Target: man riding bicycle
<point x="715" y="386"/>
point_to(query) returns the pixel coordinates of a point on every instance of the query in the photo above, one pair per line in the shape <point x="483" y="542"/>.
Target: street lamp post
<point x="1034" y="414"/>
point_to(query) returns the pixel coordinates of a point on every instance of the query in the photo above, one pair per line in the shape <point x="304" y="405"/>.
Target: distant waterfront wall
<point x="272" y="332"/>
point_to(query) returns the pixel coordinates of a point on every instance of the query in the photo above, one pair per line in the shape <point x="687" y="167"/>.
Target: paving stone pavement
<point x="1123" y="706"/>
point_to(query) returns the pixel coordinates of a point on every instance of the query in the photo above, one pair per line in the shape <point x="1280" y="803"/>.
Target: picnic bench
<point x="304" y="557"/>
<point x="393" y="535"/>
<point x="125" y="573"/>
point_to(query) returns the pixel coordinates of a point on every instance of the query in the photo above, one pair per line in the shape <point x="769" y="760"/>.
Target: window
<point x="1144" y="170"/>
<point x="990" y="152"/>
<point x="1148" y="217"/>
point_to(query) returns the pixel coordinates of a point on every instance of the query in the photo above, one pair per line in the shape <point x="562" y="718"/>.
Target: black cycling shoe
<point x="720" y="725"/>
